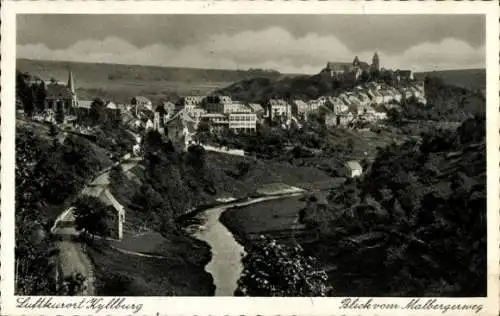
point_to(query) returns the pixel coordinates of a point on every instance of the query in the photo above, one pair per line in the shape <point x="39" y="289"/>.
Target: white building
<point x="353" y="169"/>
<point x="236" y="107"/>
<point x="111" y="106"/>
<point x="140" y="102"/>
<point x="279" y="107"/>
<point x="196" y="113"/>
<point x="192" y="101"/>
<point x="376" y="97"/>
<point x="217" y="121"/>
<point x="242" y="122"/>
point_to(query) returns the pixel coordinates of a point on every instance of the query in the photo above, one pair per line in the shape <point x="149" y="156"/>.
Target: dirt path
<point x="74" y="260"/>
<point x="138" y="254"/>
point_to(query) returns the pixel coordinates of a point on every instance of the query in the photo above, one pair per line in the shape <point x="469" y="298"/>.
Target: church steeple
<point x="375" y="62"/>
<point x="71" y="88"/>
<point x="356" y="62"/>
<point x="71" y="83"/>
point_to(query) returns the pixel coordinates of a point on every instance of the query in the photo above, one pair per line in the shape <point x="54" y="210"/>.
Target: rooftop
<point x="353" y="165"/>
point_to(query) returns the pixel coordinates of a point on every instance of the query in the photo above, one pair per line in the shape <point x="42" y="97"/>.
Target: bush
<point x="271" y="269"/>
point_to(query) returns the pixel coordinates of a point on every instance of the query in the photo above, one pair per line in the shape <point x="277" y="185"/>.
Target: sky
<point x="287" y="43"/>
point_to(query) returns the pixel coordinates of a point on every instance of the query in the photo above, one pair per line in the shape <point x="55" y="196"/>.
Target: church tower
<point x="71" y="88"/>
<point x="356" y="62"/>
<point x="375" y="62"/>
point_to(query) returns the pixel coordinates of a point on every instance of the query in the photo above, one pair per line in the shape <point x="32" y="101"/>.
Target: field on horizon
<point x="121" y="83"/>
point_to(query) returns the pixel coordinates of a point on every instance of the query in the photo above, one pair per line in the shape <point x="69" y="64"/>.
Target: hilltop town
<point x="370" y="99"/>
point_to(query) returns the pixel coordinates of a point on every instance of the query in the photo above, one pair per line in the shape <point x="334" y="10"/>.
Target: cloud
<point x="270" y="48"/>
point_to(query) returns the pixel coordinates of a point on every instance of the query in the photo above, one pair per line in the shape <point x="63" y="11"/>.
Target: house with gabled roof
<point x="404" y="75"/>
<point x="387" y="96"/>
<point x="300" y="108"/>
<point x="396" y="94"/>
<point x="363" y="97"/>
<point x="314" y="105"/>
<point x="279" y="108"/>
<point x="140" y="102"/>
<point x="353" y="168"/>
<point x="379" y="113"/>
<point x="406" y="93"/>
<point x="181" y="129"/>
<point x="256" y="108"/>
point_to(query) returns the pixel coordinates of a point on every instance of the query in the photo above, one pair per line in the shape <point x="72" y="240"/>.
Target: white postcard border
<point x="240" y="305"/>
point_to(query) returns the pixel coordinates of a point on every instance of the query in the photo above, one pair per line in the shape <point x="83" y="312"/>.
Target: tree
<point x="59" y="116"/>
<point x="394" y="116"/>
<point x="350" y="145"/>
<point x="152" y="143"/>
<point x="91" y="215"/>
<point x="40" y="94"/>
<point x="34" y="251"/>
<point x="24" y="92"/>
<point x="97" y="113"/>
<point x="203" y="131"/>
<point x="271" y="269"/>
<point x="196" y="157"/>
<point x="116" y="175"/>
<point x="365" y="76"/>
<point x="53" y="130"/>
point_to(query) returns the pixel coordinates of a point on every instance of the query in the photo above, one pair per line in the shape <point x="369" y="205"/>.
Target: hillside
<point x="414" y="224"/>
<point x="311" y="87"/>
<point x="259" y="89"/>
<point x="50" y="169"/>
<point x="122" y="82"/>
<point x="466" y="78"/>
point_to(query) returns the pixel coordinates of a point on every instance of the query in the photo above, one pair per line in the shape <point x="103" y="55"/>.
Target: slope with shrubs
<point x="414" y="224"/>
<point x="302" y="87"/>
<point x="50" y="170"/>
<point x="467" y="78"/>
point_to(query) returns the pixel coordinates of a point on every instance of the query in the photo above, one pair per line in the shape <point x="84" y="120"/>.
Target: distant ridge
<point x="55" y="65"/>
<point x="121" y="82"/>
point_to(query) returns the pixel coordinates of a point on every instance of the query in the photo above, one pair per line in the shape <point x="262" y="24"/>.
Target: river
<point x="225" y="265"/>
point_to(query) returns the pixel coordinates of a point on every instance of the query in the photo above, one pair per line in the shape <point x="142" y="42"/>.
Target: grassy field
<point x="231" y="182"/>
<point x="277" y="219"/>
<point x="466" y="78"/>
<point x="180" y="274"/>
<point x="122" y="82"/>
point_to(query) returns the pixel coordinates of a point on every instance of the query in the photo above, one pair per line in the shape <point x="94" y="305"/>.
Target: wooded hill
<point x="472" y="79"/>
<point x="414" y="224"/>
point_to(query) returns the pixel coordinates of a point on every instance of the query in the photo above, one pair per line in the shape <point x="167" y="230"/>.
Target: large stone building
<point x="345" y="71"/>
<point x="62" y="96"/>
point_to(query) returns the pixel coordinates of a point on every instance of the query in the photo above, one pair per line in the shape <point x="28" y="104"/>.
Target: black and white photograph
<point x="251" y="155"/>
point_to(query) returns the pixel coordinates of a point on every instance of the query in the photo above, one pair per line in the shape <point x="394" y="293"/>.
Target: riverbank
<point x="189" y="268"/>
<point x="179" y="273"/>
<point x="277" y="219"/>
<point x="225" y="265"/>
